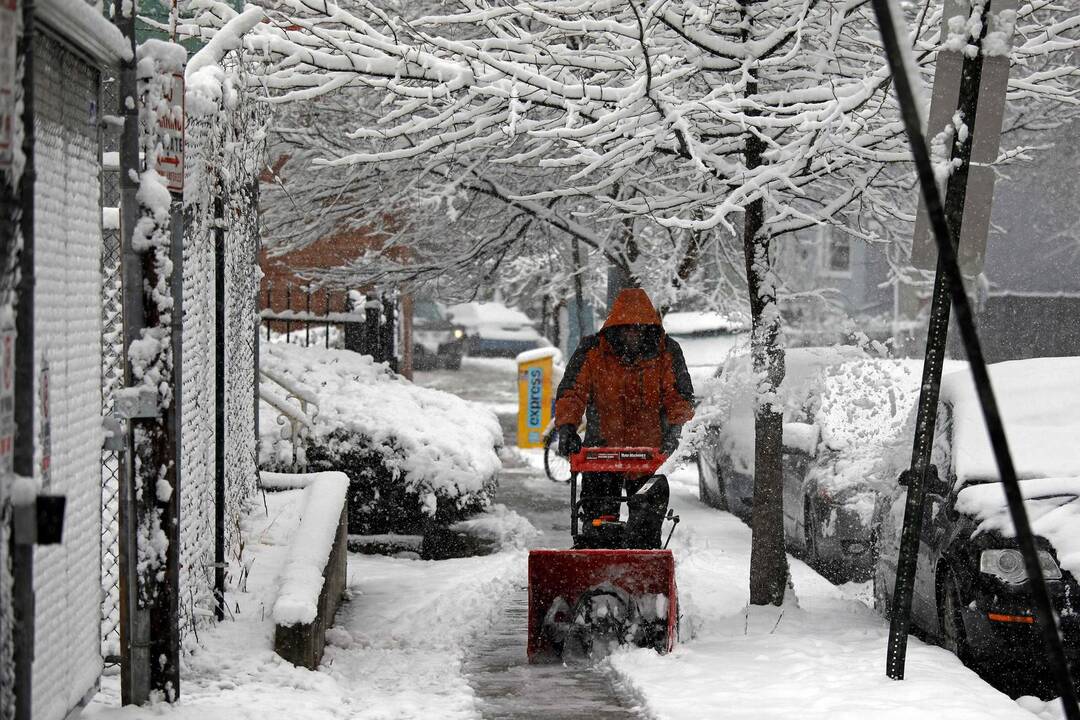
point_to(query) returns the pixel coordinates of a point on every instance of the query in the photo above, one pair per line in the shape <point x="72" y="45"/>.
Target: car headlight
<point x="1008" y="565"/>
<point x="459" y="333"/>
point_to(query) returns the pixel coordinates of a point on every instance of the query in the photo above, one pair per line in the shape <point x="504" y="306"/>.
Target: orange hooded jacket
<point x="626" y="405"/>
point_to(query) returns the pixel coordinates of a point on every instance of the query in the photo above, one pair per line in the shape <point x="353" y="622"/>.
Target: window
<point x="835" y="251"/>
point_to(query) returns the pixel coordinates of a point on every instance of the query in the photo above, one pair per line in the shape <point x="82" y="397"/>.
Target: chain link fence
<point x="215" y="169"/>
<point x="112" y="379"/>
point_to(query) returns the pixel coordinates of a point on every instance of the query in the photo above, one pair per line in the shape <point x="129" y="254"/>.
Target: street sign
<point x="7" y="82"/>
<point x="170" y="160"/>
<point x="986" y="142"/>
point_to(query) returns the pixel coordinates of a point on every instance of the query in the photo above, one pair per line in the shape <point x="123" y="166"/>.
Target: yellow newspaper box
<point x="535" y="380"/>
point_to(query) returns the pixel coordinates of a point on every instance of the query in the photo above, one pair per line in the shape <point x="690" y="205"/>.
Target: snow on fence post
<point x="312" y="582"/>
<point x="151" y="394"/>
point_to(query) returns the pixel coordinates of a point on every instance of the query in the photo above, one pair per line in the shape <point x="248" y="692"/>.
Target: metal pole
<point x="134" y="618"/>
<point x="22" y="553"/>
<point x="219" y="407"/>
<point x="307" y="322"/>
<point x="406" y="336"/>
<point x="936" y="340"/>
<point x="1045" y="617"/>
<point x="288" y="308"/>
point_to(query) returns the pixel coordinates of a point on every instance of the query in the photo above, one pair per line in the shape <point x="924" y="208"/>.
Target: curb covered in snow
<point x="312" y="582"/>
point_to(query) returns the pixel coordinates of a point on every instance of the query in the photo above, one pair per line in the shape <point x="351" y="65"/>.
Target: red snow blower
<point x="584" y="602"/>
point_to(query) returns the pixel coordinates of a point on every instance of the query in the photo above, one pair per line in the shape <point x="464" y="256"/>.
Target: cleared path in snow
<point x="506" y="686"/>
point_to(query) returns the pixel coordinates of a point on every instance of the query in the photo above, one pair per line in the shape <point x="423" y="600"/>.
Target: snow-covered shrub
<point x="413" y="455"/>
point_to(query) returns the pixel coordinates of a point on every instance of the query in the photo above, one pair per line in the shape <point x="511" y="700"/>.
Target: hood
<point x="632" y="307"/>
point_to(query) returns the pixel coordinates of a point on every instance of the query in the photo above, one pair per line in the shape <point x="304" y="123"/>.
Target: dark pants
<point x="648" y="502"/>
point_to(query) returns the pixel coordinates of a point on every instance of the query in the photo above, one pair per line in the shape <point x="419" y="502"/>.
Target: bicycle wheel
<point x="556" y="466"/>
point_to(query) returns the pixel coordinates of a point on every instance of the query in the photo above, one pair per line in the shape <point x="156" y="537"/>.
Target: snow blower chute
<point x="584" y="601"/>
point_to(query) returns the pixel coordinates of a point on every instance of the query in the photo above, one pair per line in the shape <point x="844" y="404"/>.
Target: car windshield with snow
<point x="971" y="586"/>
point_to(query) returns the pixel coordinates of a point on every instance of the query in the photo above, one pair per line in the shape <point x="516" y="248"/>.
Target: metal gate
<point x="67" y="330"/>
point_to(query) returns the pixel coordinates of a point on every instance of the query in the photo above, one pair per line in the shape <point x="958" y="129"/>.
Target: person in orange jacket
<point x="631" y="384"/>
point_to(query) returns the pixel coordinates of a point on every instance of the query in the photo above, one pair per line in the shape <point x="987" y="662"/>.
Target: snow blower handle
<point x="630" y="460"/>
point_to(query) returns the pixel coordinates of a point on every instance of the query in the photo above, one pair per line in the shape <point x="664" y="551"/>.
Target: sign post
<point x="535" y="377"/>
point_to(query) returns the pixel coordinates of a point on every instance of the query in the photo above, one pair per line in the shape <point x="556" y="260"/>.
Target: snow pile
<point x="301" y="580"/>
<point x="401" y="444"/>
<point x="1039" y="400"/>
<point x="820" y="658"/>
<point x="395" y="652"/>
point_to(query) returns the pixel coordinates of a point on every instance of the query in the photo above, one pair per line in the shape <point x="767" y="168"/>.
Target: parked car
<point x="437" y="342"/>
<point x="971" y="590"/>
<point x="726" y="409"/>
<point x="493" y="329"/>
<point x="706" y="339"/>
<point x="830" y="492"/>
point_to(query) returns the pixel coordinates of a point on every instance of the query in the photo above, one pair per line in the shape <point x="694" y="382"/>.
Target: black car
<point x="971" y="591"/>
<point x="437" y="342"/>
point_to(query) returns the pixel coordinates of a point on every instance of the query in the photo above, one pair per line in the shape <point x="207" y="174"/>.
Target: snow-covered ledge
<point x="312" y="582"/>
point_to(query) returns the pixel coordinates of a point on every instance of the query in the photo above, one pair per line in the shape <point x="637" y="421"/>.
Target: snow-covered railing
<point x="312" y="582"/>
<point x="308" y="316"/>
<point x="296" y="422"/>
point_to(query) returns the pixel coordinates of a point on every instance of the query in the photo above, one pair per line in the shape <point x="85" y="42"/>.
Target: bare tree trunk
<point x="621" y="274"/>
<point x="768" y="559"/>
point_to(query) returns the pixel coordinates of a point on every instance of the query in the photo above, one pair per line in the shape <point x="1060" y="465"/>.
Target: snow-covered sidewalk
<point x="822" y="659"/>
<point x="395" y="653"/>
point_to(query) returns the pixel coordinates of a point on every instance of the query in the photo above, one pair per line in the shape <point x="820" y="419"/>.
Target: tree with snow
<point x="741" y="119"/>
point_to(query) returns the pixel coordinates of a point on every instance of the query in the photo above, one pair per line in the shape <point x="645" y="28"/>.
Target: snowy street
<point x="446" y="639"/>
<point x="358" y="358"/>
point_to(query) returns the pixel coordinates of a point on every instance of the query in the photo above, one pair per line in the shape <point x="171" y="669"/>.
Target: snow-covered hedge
<point x="413" y="455"/>
<point x="301" y="579"/>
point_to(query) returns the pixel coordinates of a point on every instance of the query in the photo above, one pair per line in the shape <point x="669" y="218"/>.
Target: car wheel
<point x="953" y="637"/>
<point x="709" y="496"/>
<point x="452" y="362"/>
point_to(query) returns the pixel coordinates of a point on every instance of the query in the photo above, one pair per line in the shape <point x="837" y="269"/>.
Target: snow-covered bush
<point x="413" y="455"/>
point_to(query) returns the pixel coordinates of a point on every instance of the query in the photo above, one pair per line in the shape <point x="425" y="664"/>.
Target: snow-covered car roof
<point x="487" y="313"/>
<point x="1039" y="400"/>
<point x="700" y="323"/>
<point x="493" y="321"/>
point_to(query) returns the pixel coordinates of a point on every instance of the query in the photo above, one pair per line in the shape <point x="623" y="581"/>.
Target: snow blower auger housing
<point x="585" y="601"/>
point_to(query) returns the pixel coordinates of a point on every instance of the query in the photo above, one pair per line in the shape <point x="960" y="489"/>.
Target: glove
<point x="670" y="443"/>
<point x="569" y="440"/>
